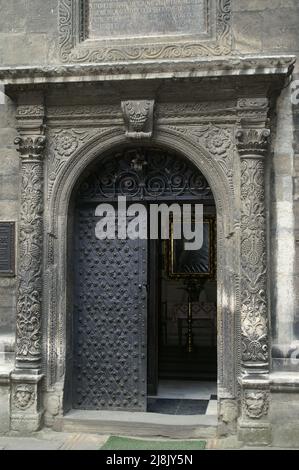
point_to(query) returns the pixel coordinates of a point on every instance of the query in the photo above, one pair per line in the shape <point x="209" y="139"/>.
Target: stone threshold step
<point x="139" y="424"/>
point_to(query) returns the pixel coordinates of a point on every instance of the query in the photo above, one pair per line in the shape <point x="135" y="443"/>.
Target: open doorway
<point x="182" y="333"/>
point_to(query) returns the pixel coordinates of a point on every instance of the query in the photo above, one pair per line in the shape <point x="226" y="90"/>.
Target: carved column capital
<point x="139" y="118"/>
<point x="31" y="147"/>
<point x="252" y="141"/>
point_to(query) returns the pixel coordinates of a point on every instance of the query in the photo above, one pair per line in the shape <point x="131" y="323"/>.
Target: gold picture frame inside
<point x="196" y="263"/>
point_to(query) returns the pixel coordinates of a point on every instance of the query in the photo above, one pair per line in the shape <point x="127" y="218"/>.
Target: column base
<point x="26" y="403"/>
<point x="254" y="425"/>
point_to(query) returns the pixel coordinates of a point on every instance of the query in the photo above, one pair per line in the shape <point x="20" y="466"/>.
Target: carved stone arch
<point x="165" y="137"/>
<point x="56" y="250"/>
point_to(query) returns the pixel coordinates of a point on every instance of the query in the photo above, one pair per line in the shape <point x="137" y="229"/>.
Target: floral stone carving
<point x="252" y="146"/>
<point x="28" y="348"/>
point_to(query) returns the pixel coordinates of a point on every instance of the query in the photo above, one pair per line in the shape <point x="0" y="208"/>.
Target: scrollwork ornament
<point x="71" y="51"/>
<point x="30" y="112"/>
<point x="148" y="173"/>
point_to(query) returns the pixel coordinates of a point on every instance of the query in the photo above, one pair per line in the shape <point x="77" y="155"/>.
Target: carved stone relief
<point x="24" y="396"/>
<point x="28" y="348"/>
<point x="30" y="111"/>
<point x="253" y="248"/>
<point x="217" y="139"/>
<point x="74" y="48"/>
<point x="103" y="111"/>
<point x="139" y="118"/>
<point x="30" y="147"/>
<point x="252" y="146"/>
<point x="88" y="131"/>
<point x="256" y="404"/>
<point x="63" y="143"/>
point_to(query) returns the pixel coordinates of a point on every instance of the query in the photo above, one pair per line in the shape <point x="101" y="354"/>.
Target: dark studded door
<point x="110" y="312"/>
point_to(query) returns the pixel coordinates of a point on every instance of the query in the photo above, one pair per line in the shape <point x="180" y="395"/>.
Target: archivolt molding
<point x="56" y="241"/>
<point x="100" y="142"/>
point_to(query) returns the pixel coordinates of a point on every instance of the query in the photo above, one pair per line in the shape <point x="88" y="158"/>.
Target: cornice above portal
<point x="250" y="66"/>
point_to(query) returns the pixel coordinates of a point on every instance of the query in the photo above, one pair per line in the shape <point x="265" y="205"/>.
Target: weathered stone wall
<point x="28" y="31"/>
<point x="8" y="203"/>
<point x="266" y="26"/>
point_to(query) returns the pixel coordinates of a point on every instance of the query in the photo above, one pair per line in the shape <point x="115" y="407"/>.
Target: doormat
<point x="124" y="443"/>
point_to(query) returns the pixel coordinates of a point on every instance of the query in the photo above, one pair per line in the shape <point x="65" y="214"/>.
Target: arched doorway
<point x="131" y="298"/>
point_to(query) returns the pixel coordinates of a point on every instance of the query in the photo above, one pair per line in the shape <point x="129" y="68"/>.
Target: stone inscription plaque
<point x="135" y="18"/>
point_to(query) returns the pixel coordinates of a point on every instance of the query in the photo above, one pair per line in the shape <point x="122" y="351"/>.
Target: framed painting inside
<point x="193" y="263"/>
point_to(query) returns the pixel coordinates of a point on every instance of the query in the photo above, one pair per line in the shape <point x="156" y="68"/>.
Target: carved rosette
<point x="252" y="146"/>
<point x="28" y="348"/>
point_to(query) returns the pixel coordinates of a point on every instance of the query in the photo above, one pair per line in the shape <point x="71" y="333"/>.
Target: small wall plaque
<point x="7" y="249"/>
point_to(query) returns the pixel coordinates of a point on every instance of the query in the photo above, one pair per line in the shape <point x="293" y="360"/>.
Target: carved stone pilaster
<point x="138" y="118"/>
<point x="26" y="377"/>
<point x="252" y="144"/>
<point x="28" y="346"/>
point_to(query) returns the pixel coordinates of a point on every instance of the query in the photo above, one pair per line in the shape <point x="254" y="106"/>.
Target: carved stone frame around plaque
<point x="76" y="46"/>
